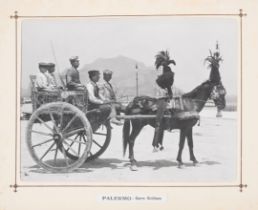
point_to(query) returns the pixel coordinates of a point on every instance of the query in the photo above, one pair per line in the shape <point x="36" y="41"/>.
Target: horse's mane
<point x="146" y="103"/>
<point x="193" y="93"/>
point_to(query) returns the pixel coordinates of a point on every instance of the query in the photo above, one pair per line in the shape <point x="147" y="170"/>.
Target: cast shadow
<point x="117" y="164"/>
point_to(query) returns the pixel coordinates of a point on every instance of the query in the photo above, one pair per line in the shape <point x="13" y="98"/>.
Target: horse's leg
<point x="159" y="138"/>
<point x="190" y="145"/>
<point x="181" y="146"/>
<point x="136" y="128"/>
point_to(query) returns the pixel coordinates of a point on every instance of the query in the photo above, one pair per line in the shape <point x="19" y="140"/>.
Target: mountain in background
<point x="124" y="75"/>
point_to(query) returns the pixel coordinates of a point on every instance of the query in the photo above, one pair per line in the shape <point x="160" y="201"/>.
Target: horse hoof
<point x="155" y="149"/>
<point x="219" y="115"/>
<point x="134" y="168"/>
<point x="180" y="165"/>
<point x="195" y="163"/>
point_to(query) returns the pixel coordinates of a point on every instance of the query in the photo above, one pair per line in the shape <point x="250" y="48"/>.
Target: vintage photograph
<point x="130" y="99"/>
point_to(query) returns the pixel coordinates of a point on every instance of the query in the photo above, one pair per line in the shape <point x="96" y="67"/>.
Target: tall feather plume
<point x="163" y="59"/>
<point x="213" y="59"/>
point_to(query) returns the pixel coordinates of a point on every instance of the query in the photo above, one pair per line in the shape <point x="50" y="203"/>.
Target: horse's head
<point x="218" y="96"/>
<point x="218" y="92"/>
<point x="214" y="60"/>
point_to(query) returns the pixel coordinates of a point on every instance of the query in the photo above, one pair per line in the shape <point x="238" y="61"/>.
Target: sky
<point x="188" y="40"/>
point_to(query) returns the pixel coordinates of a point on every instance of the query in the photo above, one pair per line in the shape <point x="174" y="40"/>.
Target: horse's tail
<point x="126" y="135"/>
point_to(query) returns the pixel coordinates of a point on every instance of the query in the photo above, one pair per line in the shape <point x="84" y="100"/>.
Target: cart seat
<point x="78" y="98"/>
<point x="39" y="96"/>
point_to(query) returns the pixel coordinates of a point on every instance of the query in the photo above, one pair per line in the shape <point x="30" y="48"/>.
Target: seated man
<point x="42" y="82"/>
<point x="95" y="101"/>
<point x="107" y="92"/>
<point x="72" y="75"/>
<point x="52" y="81"/>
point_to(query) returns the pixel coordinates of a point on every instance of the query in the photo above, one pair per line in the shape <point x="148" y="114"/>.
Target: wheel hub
<point x="57" y="137"/>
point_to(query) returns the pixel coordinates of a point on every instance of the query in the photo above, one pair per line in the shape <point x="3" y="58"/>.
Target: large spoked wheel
<point x="53" y="131"/>
<point x="100" y="141"/>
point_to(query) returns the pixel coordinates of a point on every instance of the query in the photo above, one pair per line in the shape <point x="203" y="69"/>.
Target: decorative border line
<point x="240" y="14"/>
<point x="15" y="186"/>
<point x="128" y="15"/>
<point x="139" y="186"/>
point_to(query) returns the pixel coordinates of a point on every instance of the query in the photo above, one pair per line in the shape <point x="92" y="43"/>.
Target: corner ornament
<point x="15" y="16"/>
<point x="241" y="14"/>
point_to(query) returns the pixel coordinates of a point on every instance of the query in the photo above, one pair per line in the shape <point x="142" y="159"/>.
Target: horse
<point x="192" y="101"/>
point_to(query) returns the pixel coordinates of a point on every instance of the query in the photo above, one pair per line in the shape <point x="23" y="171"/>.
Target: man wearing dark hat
<point x="106" y="90"/>
<point x="72" y="75"/>
<point x="95" y="100"/>
<point x="42" y="79"/>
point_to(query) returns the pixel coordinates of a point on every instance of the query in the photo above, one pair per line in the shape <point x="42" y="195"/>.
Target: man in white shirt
<point x="53" y="81"/>
<point x="42" y="78"/>
<point x="95" y="100"/>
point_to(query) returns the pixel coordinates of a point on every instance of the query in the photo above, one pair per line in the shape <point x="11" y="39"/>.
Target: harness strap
<point x="176" y="103"/>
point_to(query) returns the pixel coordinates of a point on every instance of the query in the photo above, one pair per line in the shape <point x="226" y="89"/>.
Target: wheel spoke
<point x="53" y="120"/>
<point x="44" y="123"/>
<point x="84" y="139"/>
<point x="79" y="142"/>
<point x="42" y="143"/>
<point x="97" y="143"/>
<point x="73" y="132"/>
<point x="71" y="144"/>
<point x="47" y="151"/>
<point x="79" y="149"/>
<point x="64" y="153"/>
<point x="70" y="147"/>
<point x="61" y="116"/>
<point x="76" y="136"/>
<point x="98" y="133"/>
<point x="42" y="133"/>
<point x="56" y="153"/>
<point x="69" y="123"/>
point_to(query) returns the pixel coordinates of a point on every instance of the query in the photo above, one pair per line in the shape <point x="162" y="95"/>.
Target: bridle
<point x="217" y="91"/>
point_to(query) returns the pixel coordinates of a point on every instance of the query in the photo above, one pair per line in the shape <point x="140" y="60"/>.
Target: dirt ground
<point x="215" y="147"/>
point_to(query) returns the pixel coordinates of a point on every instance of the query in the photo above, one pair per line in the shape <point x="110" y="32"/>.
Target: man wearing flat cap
<point x="72" y="75"/>
<point x="42" y="82"/>
<point x="96" y="101"/>
<point x="51" y="75"/>
<point x="106" y="90"/>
